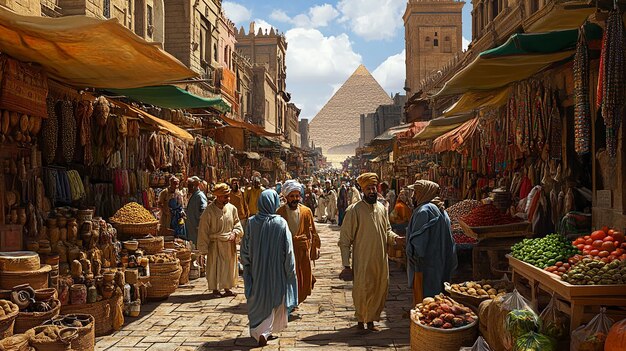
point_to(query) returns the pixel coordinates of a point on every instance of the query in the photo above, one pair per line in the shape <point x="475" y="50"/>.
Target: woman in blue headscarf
<point x="269" y="270"/>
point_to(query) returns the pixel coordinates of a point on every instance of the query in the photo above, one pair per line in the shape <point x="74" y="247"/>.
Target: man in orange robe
<point x="306" y="242"/>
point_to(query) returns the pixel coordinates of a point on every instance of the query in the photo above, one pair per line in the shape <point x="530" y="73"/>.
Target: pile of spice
<point x="488" y="215"/>
<point x="134" y="213"/>
<point x="459" y="210"/>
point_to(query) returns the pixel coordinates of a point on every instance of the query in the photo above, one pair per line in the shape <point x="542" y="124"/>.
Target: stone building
<point x="227" y="79"/>
<point x="292" y="130"/>
<point x="336" y="127"/>
<point x="191" y="36"/>
<point x="305" y="141"/>
<point x="433" y="35"/>
<point x="385" y="117"/>
<point x="243" y="74"/>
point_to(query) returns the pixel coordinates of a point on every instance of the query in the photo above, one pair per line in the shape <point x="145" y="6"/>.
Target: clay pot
<point x="72" y="230"/>
<point x="54" y="234"/>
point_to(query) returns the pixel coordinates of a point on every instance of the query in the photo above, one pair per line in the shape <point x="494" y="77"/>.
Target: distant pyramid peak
<point x="361" y="71"/>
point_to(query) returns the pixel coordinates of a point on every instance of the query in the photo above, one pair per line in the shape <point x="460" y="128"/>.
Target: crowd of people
<point x="268" y="235"/>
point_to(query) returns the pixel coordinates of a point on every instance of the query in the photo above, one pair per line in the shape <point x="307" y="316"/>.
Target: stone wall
<point x="23" y="7"/>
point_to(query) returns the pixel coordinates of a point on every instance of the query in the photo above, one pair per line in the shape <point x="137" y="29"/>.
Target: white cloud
<point x="316" y="16"/>
<point x="465" y="43"/>
<point x="373" y="19"/>
<point x="316" y="66"/>
<point x="236" y="12"/>
<point x="392" y="73"/>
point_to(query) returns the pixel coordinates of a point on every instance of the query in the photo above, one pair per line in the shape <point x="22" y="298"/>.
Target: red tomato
<point x="623" y="257"/>
<point x="594" y="252"/>
<point x="603" y="253"/>
<point x="623" y="245"/>
<point x="566" y="265"/>
<point x="605" y="229"/>
<point x="605" y="259"/>
<point x="619" y="236"/>
<point x="586" y="237"/>
<point x="618" y="252"/>
<point x="578" y="241"/>
<point x="608" y="238"/>
<point x="607" y="246"/>
<point x="588" y="241"/>
<point x="597" y="244"/>
<point x="585" y="252"/>
<point x="580" y="246"/>
<point x="598" y="235"/>
<point x="612" y="258"/>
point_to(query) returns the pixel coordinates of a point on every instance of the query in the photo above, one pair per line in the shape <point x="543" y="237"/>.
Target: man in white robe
<point x="218" y="234"/>
<point x="331" y="204"/>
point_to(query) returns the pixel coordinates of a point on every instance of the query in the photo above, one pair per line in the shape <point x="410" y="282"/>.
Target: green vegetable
<point x="534" y="342"/>
<point x="520" y="322"/>
<point x="544" y="252"/>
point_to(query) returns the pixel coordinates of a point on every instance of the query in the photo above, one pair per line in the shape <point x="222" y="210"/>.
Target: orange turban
<point x="221" y="189"/>
<point x="367" y="179"/>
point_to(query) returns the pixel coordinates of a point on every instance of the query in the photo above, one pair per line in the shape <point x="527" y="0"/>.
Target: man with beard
<point x="218" y="234"/>
<point x="237" y="199"/>
<point x="252" y="195"/>
<point x="306" y="242"/>
<point x="195" y="207"/>
<point x="365" y="234"/>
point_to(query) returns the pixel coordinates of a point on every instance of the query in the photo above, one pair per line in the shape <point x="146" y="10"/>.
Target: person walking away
<point x="306" y="242"/>
<point x="321" y="205"/>
<point x="195" y="206"/>
<point x="172" y="192"/>
<point x="252" y="195"/>
<point x="342" y="203"/>
<point x="310" y="200"/>
<point x="237" y="199"/>
<point x="365" y="234"/>
<point x="218" y="234"/>
<point x="430" y="249"/>
<point x="401" y="214"/>
<point x="331" y="202"/>
<point x="269" y="270"/>
<point x="354" y="194"/>
<point x="389" y="195"/>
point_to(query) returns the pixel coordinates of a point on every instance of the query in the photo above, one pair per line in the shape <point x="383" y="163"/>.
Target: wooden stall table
<point x="494" y="242"/>
<point x="575" y="297"/>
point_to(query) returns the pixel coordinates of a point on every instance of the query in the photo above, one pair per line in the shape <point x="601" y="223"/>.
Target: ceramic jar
<point x="53" y="233"/>
<point x="92" y="294"/>
<point x="72" y="230"/>
<point x="78" y="294"/>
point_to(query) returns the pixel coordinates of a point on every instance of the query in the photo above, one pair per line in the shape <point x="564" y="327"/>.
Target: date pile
<point x="488" y="215"/>
<point x="443" y="312"/>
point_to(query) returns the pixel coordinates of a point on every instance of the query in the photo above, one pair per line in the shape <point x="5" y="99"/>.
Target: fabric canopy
<point x="560" y="16"/>
<point x="455" y="138"/>
<point x="473" y="100"/>
<point x="160" y="124"/>
<point x="519" y="58"/>
<point x="249" y="126"/>
<point x="442" y="125"/>
<point x="391" y="133"/>
<point x="88" y="52"/>
<point x="171" y="96"/>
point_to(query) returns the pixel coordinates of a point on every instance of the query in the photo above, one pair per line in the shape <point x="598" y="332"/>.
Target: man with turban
<point x="252" y="195"/>
<point x="172" y="192"/>
<point x="237" y="199"/>
<point x="306" y="242"/>
<point x="269" y="272"/>
<point x="430" y="248"/>
<point x="218" y="234"/>
<point x="195" y="207"/>
<point x="364" y="235"/>
<point x="330" y="194"/>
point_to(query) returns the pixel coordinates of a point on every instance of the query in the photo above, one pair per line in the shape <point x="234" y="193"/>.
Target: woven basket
<point x="36" y="279"/>
<point x="472" y="301"/>
<point x="184" y="276"/>
<point x="28" y="320"/>
<point x="425" y="338"/>
<point x="135" y="230"/>
<point x="17" y="342"/>
<point x="183" y="254"/>
<point x="54" y="345"/>
<point x="151" y="245"/>
<point x="6" y="325"/>
<point x="86" y="338"/>
<point x="164" y="268"/>
<point x="163" y="285"/>
<point x="103" y="313"/>
<point x="19" y="261"/>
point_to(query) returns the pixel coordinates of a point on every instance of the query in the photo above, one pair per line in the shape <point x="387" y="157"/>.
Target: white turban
<point x="291" y="185"/>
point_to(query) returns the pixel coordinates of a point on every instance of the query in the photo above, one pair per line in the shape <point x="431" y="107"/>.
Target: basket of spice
<point x="133" y="220"/>
<point x="8" y="313"/>
<point x="487" y="221"/>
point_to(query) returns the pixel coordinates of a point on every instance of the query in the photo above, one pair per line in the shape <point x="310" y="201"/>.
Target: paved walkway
<point x="191" y="320"/>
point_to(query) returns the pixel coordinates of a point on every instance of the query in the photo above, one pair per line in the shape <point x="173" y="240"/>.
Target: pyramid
<point x="337" y="125"/>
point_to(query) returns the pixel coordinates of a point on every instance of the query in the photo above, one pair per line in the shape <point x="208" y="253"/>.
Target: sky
<point x="328" y="40"/>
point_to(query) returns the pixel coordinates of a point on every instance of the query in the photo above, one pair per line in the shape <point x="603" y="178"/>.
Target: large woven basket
<point x="28" y="320"/>
<point x="36" y="279"/>
<point x="19" y="261"/>
<point x="17" y="342"/>
<point x="103" y="313"/>
<point x="163" y="285"/>
<point x="151" y="245"/>
<point x="164" y="268"/>
<point x="7" y="323"/>
<point x="472" y="301"/>
<point x="86" y="338"/>
<point x="54" y="345"/>
<point x="136" y="230"/>
<point x="425" y="338"/>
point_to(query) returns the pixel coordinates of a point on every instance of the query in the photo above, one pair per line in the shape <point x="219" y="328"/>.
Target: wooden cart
<point x="574" y="299"/>
<point x="494" y="242"/>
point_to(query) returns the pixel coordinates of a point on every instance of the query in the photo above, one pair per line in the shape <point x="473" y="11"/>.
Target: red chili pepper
<point x="487" y="215"/>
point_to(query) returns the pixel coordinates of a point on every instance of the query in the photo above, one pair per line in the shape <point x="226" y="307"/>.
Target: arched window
<point x="436" y="42"/>
<point x="226" y="55"/>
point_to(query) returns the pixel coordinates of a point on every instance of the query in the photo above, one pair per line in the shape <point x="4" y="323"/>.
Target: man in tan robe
<point x="237" y="199"/>
<point x="306" y="242"/>
<point x="218" y="234"/>
<point x="365" y="234"/>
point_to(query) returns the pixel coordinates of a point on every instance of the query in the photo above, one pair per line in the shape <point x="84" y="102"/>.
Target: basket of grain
<point x="8" y="313"/>
<point x="134" y="220"/>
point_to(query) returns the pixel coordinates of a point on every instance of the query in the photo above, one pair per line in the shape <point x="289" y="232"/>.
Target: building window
<point x="447" y="44"/>
<point x="495" y="8"/>
<point x="428" y="44"/>
<point x="436" y="42"/>
<point x="150" y="20"/>
<point x="215" y="52"/>
<point x="203" y="45"/>
<point x="106" y="8"/>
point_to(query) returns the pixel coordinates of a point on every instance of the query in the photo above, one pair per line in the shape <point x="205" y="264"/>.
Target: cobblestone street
<point x="192" y="320"/>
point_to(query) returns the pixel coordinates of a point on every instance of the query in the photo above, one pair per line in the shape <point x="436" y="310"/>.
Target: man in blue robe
<point x="195" y="206"/>
<point x="430" y="249"/>
<point x="269" y="270"/>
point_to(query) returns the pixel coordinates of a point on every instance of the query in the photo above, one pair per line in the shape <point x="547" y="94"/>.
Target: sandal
<point x="229" y="293"/>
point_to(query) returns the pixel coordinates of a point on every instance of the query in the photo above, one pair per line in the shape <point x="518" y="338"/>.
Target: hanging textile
<point x="582" y="111"/>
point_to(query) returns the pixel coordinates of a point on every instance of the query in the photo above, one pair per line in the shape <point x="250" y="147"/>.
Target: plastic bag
<point x="520" y="318"/>
<point x="533" y="342"/>
<point x="591" y="337"/>
<point x="554" y="323"/>
<point x="479" y="345"/>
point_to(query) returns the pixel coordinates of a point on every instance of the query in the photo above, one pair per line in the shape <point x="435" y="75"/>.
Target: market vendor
<point x="430" y="249"/>
<point x="172" y="192"/>
<point x="401" y="214"/>
<point x="196" y="205"/>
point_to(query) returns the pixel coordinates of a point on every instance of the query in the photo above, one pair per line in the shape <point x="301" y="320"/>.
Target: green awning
<point x="171" y="96"/>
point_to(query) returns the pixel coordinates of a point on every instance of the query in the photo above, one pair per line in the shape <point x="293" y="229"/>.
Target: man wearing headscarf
<point x="306" y="242"/>
<point x="269" y="270"/>
<point x="195" y="207"/>
<point x="365" y="234"/>
<point x="331" y="202"/>
<point x="252" y="195"/>
<point x="401" y="214"/>
<point x="354" y="195"/>
<point x="342" y="203"/>
<point x="237" y="199"/>
<point x="172" y="192"/>
<point x="218" y="234"/>
<point x="430" y="249"/>
<point x="321" y="204"/>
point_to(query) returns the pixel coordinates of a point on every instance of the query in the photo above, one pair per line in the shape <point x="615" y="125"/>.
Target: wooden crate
<point x="11" y="237"/>
<point x="513" y="230"/>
